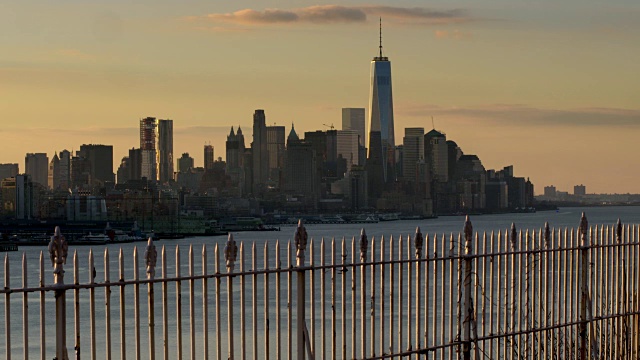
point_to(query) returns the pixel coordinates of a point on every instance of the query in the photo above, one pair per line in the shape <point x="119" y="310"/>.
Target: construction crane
<point x="329" y="126"/>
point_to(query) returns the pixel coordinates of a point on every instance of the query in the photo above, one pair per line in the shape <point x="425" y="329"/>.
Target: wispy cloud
<point x="332" y="14"/>
<point x="524" y="115"/>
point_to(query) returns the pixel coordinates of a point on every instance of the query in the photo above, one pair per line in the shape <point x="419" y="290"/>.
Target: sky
<point x="551" y="87"/>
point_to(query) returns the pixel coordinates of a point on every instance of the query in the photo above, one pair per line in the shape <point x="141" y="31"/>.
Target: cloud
<point x="330" y="14"/>
<point x="418" y="14"/>
<point x="455" y="34"/>
<point x="524" y="115"/>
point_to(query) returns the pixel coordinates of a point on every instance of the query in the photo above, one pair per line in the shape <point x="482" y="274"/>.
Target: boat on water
<point x="389" y="217"/>
<point x="91" y="239"/>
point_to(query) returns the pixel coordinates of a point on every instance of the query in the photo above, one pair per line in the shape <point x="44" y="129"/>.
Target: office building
<point x="209" y="158"/>
<point x="381" y="160"/>
<point x="100" y="159"/>
<point x="413" y="152"/>
<point x="8" y="170"/>
<point x="260" y="153"/>
<point x="580" y="190"/>
<point x="353" y="119"/>
<point x="165" y="150"/>
<point x="37" y="166"/>
<point x="185" y="163"/>
<point x="275" y="147"/>
<point x="148" y="137"/>
<point x="436" y="153"/>
<point x="347" y="147"/>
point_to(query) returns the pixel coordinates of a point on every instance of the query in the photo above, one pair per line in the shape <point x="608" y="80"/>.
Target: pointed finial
<point x="151" y="256"/>
<point x="547" y="234"/>
<point x="418" y="242"/>
<point x="300" y="238"/>
<point x="364" y="245"/>
<point x="58" y="250"/>
<point x="230" y="253"/>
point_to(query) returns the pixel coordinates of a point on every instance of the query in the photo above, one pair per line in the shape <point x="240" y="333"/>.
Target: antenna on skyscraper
<point x="380" y="36"/>
<point x="433" y="123"/>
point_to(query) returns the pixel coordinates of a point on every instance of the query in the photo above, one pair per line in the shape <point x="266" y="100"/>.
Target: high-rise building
<point x="436" y="153"/>
<point x="260" y="152"/>
<point x="300" y="178"/>
<point x="235" y="151"/>
<point x="580" y="190"/>
<point x="148" y="166"/>
<point x="347" y="147"/>
<point x="123" y="173"/>
<point x="275" y="147"/>
<point x="37" y="166"/>
<point x="208" y="157"/>
<point x="54" y="172"/>
<point x="381" y="160"/>
<point x="413" y="152"/>
<point x="24" y="197"/>
<point x="165" y="150"/>
<point x="100" y="158"/>
<point x="353" y="119"/>
<point x="185" y="163"/>
<point x="80" y="173"/>
<point x="135" y="164"/>
<point x="64" y="173"/>
<point x="8" y="170"/>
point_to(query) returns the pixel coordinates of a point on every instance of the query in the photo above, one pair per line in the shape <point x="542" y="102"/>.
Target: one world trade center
<point x="381" y="158"/>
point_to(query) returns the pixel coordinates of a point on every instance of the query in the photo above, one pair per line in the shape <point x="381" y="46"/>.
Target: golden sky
<point x="550" y="87"/>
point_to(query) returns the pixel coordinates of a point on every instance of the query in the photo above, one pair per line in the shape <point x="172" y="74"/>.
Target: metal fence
<point x="552" y="294"/>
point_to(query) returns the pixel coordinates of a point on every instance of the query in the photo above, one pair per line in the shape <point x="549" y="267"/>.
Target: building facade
<point x="37" y="166"/>
<point x="209" y="157"/>
<point x="354" y="119"/>
<point x="148" y="138"/>
<point x="165" y="150"/>
<point x="381" y="159"/>
<point x="260" y="153"/>
<point x="413" y="152"/>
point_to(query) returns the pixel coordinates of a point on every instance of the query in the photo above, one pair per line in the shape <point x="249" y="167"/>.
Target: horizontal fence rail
<point x="510" y="294"/>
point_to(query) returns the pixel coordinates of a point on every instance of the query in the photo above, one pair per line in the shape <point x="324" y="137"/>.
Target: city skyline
<point x="551" y="85"/>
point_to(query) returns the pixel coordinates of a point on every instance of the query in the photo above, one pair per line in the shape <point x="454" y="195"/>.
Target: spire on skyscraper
<point x="380" y="36"/>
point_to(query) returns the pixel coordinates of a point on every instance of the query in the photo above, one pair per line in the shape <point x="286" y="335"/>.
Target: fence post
<point x="364" y="245"/>
<point x="300" y="238"/>
<point x="467" y="305"/>
<point x="58" y="250"/>
<point x="230" y="254"/>
<point x="584" y="290"/>
<point x="151" y="257"/>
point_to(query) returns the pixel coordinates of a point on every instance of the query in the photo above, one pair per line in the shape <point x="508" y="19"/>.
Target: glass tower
<point x="381" y="158"/>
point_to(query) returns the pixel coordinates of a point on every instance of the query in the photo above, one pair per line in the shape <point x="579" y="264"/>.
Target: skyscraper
<point x="353" y="119"/>
<point x="185" y="163"/>
<point x="381" y="159"/>
<point x="275" y="147"/>
<point x="413" y="142"/>
<point x="8" y="170"/>
<point x="37" y="165"/>
<point x="347" y="146"/>
<point x="436" y="153"/>
<point x="208" y="157"/>
<point x="260" y="152"/>
<point x="165" y="150"/>
<point x="100" y="158"/>
<point x="148" y="166"/>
